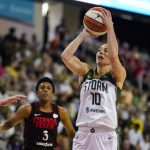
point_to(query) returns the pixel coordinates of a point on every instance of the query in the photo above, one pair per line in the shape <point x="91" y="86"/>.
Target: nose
<point x="101" y="52"/>
<point x="45" y="90"/>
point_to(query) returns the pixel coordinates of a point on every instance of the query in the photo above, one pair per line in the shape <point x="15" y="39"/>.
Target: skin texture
<point x="45" y="94"/>
<point x="11" y="100"/>
<point x="106" y="58"/>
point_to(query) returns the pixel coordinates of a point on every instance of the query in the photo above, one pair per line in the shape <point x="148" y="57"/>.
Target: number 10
<point x="96" y="98"/>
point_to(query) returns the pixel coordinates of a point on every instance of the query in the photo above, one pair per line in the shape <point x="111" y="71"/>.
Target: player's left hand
<point x="11" y="100"/>
<point x="86" y="33"/>
<point x="107" y="18"/>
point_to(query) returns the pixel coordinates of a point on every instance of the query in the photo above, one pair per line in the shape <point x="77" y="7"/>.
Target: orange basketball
<point x="93" y="22"/>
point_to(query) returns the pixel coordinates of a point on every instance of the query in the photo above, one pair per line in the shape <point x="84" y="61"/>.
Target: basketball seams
<point x="93" y="21"/>
<point x="94" y="32"/>
<point x="93" y="14"/>
<point x="99" y="24"/>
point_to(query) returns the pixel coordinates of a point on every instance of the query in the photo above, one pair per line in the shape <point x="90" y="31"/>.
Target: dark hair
<point x="45" y="79"/>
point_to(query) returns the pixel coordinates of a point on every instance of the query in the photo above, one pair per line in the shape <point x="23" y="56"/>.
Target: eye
<point x="49" y="88"/>
<point x="105" y="50"/>
<point x="42" y="87"/>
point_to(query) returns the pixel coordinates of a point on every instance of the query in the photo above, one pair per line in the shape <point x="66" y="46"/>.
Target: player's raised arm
<point x="11" y="100"/>
<point x="118" y="71"/>
<point x="70" y="60"/>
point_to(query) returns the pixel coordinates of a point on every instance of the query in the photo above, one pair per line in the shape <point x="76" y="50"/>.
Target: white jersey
<point x="97" y="101"/>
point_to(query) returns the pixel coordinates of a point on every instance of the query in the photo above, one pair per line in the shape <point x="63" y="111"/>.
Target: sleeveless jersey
<point x="97" y="101"/>
<point x="41" y="129"/>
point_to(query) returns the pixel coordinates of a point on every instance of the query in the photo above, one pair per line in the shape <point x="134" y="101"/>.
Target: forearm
<point x="71" y="133"/>
<point x="64" y="115"/>
<point x="2" y="102"/>
<point x="5" y="126"/>
<point x="72" y="47"/>
<point x="112" y="42"/>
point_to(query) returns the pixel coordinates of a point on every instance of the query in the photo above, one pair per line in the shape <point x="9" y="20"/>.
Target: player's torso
<point x="97" y="101"/>
<point x="41" y="129"/>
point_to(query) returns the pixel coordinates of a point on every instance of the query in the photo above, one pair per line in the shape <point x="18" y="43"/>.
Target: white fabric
<point x="134" y="137"/>
<point x="144" y="145"/>
<point x="101" y="139"/>
<point x="92" y="115"/>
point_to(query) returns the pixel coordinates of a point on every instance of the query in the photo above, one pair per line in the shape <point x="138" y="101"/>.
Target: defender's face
<point x="45" y="91"/>
<point x="102" y="57"/>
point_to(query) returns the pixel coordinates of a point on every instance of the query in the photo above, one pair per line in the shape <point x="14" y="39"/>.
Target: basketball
<point x="93" y="22"/>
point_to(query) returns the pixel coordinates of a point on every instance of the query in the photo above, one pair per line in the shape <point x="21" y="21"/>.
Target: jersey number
<point x="96" y="98"/>
<point x="45" y="137"/>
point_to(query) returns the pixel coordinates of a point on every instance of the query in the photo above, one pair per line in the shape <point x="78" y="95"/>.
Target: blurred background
<point x="33" y="34"/>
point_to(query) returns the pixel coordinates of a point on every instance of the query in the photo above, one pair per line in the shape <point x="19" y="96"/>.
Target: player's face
<point x="45" y="91"/>
<point x="102" y="56"/>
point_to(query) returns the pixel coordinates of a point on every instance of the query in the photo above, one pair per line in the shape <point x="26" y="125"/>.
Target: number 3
<point x="45" y="137"/>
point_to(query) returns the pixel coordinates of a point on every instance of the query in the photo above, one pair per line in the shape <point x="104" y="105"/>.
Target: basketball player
<point x="41" y="119"/>
<point x="97" y="116"/>
<point x="11" y="100"/>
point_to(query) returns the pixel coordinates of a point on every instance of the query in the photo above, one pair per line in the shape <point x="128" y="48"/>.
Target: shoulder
<point x="86" y="68"/>
<point x="25" y="110"/>
<point x="121" y="79"/>
<point x="25" y="107"/>
<point x="63" y="112"/>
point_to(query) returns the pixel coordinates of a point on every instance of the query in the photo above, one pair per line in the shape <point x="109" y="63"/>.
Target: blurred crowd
<point x="23" y="61"/>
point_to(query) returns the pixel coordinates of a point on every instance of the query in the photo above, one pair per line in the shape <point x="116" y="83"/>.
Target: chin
<point x="100" y="63"/>
<point x="103" y="63"/>
<point x="45" y="100"/>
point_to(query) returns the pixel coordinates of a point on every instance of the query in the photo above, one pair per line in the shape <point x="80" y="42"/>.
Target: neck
<point x="45" y="106"/>
<point x="101" y="70"/>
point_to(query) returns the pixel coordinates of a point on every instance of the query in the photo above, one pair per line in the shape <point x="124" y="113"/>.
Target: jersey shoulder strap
<point x="108" y="77"/>
<point x="35" y="106"/>
<point x="89" y="75"/>
<point x="55" y="108"/>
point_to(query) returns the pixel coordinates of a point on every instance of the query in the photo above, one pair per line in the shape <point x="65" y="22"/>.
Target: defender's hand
<point x="11" y="100"/>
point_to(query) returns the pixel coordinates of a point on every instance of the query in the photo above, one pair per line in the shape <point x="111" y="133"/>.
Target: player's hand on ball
<point x="87" y="34"/>
<point x="91" y="35"/>
<point x="107" y="18"/>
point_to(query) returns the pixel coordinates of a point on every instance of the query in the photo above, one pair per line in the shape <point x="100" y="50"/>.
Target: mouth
<point x="100" y="57"/>
<point x="44" y="94"/>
